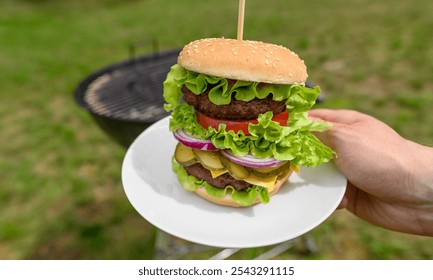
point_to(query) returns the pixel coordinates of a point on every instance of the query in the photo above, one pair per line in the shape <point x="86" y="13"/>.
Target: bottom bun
<point x="228" y="201"/>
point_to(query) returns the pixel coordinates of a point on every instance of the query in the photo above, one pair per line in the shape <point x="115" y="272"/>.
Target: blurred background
<point x="61" y="195"/>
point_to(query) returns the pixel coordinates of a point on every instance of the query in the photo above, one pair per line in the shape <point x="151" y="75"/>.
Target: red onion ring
<point x="251" y="161"/>
<point x="193" y="142"/>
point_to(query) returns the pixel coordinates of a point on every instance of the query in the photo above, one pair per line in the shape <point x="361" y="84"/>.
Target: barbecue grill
<point x="125" y="98"/>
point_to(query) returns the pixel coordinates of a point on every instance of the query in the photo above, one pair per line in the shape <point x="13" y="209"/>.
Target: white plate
<point x="303" y="203"/>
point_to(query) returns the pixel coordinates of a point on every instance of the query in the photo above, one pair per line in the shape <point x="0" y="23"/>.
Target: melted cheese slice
<point x="295" y="168"/>
<point x="216" y="173"/>
<point x="268" y="183"/>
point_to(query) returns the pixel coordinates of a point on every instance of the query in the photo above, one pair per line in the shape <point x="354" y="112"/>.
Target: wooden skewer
<point x="241" y="19"/>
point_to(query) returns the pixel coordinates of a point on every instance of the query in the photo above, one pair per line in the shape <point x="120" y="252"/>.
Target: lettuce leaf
<point x="245" y="197"/>
<point x="298" y="97"/>
<point x="172" y="87"/>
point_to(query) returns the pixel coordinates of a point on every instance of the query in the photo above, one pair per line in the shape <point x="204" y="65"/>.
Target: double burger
<point x="239" y="114"/>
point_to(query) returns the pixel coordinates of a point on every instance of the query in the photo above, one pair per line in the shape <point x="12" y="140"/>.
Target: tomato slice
<point x="240" y="125"/>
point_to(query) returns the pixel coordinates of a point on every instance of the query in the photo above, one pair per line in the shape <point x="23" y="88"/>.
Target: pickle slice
<point x="271" y="171"/>
<point x="210" y="160"/>
<point x="236" y="171"/>
<point x="184" y="155"/>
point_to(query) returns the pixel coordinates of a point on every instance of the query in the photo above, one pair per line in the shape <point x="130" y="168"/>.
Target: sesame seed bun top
<point x="244" y="60"/>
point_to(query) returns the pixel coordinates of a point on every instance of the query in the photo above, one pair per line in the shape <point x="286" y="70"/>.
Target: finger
<point x="352" y="196"/>
<point x="348" y="195"/>
<point x="336" y="116"/>
<point x="324" y="114"/>
<point x="343" y="203"/>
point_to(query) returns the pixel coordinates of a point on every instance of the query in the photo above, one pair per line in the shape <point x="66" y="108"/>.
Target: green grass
<point x="61" y="195"/>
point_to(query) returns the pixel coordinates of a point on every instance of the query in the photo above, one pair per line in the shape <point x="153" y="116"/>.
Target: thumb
<point x="336" y="116"/>
<point x="323" y="114"/>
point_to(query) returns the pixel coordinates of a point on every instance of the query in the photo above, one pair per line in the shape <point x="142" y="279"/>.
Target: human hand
<point x="390" y="179"/>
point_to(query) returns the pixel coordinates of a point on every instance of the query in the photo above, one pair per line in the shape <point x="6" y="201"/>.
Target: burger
<point x="239" y="114"/>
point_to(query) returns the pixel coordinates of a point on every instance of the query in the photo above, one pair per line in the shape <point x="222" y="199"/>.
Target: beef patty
<point x="221" y="181"/>
<point x="236" y="110"/>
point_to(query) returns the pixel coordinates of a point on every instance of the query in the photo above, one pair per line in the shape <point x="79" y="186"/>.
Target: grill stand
<point x="168" y="247"/>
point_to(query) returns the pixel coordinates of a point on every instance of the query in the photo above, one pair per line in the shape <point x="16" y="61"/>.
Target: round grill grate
<point x="127" y="97"/>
